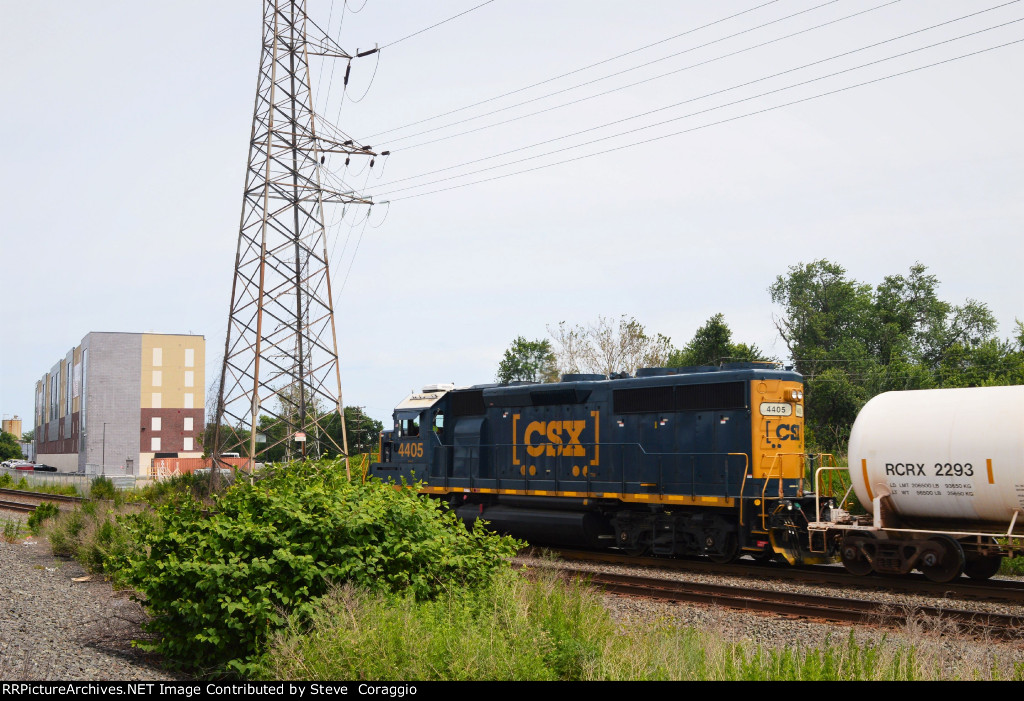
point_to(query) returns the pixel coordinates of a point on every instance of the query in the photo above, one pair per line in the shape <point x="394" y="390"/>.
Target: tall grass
<point x="544" y="629"/>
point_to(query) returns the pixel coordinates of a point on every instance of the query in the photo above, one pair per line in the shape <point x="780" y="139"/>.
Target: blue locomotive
<point x="673" y="461"/>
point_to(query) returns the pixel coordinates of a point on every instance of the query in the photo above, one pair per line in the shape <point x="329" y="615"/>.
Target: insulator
<point x="385" y="153"/>
<point x="347" y="143"/>
<point x="348" y="70"/>
<point x="371" y="162"/>
<point x="322" y="159"/>
<point x="347" y="159"/>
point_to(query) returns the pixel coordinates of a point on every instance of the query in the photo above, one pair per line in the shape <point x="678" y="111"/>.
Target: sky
<point x="127" y="124"/>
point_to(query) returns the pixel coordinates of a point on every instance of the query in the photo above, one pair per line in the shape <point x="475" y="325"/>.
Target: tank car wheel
<point x="852" y="557"/>
<point x="949" y="567"/>
<point x="980" y="567"/>
<point x="983" y="567"/>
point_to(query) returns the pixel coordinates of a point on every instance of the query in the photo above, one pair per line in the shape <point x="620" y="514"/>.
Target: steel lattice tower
<point x="281" y="350"/>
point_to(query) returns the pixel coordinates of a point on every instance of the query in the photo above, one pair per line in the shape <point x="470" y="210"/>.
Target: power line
<point x="704" y="126"/>
<point x="410" y="36"/>
<point x="630" y="70"/>
<point x="677" y="104"/>
<point x="577" y="70"/>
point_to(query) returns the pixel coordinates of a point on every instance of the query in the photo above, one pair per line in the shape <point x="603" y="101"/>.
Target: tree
<point x="531" y="361"/>
<point x="712" y="344"/>
<point x="605" y="347"/>
<point x="9" y="448"/>
<point x="28" y="436"/>
<point x="852" y="341"/>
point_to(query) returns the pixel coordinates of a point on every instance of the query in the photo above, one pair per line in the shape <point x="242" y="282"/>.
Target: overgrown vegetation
<point x="44" y="511"/>
<point x="219" y="584"/>
<point x="545" y="629"/>
<point x="11" y="531"/>
<point x="102" y="488"/>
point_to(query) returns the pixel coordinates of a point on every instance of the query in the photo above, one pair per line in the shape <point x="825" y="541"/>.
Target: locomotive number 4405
<point x="411" y="450"/>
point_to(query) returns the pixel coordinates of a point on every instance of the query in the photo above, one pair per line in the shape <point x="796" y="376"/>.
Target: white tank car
<point x="955" y="454"/>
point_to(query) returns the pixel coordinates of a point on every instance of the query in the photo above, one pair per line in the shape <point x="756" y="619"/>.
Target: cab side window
<point x="408" y="428"/>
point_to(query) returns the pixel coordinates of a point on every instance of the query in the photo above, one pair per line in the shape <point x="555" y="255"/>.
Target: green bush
<point x="6" y="480"/>
<point x="44" y="511"/>
<point x="219" y="585"/>
<point x="102" y="488"/>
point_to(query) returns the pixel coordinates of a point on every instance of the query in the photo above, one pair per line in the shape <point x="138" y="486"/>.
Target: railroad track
<point x="841" y="609"/>
<point x="1001" y="590"/>
<point x="42" y="496"/>
<point x="16" y="506"/>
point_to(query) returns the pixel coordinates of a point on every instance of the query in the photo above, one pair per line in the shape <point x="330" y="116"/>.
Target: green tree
<point x="9" y="448"/>
<point x="531" y="361"/>
<point x="852" y="341"/>
<point x="712" y="344"/>
<point x="28" y="436"/>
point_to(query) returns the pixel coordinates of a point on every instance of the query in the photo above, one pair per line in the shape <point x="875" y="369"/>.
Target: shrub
<point x="6" y="480"/>
<point x="218" y="586"/>
<point x="44" y="511"/>
<point x="102" y="488"/>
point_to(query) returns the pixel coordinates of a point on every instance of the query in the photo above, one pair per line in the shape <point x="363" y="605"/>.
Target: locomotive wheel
<point x="949" y="567"/>
<point x="730" y="553"/>
<point x="852" y="557"/>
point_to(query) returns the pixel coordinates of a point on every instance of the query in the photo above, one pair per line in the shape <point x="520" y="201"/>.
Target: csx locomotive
<point x="674" y="461"/>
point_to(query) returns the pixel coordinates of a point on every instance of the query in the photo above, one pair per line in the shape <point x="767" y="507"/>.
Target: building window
<point x="189" y="400"/>
<point x="188" y="443"/>
<point x="156" y="423"/>
<point x="188" y="423"/>
<point x="190" y="378"/>
<point x="158" y="378"/>
<point x="158" y="357"/>
<point x="156" y="400"/>
<point x="190" y="358"/>
<point x="154" y="444"/>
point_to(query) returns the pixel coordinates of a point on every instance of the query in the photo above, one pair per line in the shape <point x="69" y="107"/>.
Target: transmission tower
<point x="281" y="350"/>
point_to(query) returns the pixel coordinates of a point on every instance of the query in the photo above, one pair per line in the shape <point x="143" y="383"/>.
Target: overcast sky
<point x="126" y="128"/>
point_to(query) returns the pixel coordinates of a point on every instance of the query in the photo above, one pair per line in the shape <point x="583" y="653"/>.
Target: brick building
<point x="117" y="400"/>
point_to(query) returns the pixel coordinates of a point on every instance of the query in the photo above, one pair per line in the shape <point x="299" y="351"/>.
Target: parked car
<point x="44" y="468"/>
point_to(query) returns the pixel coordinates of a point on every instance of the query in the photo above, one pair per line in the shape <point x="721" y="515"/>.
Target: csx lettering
<point x="554" y="431"/>
<point x="905" y="468"/>
<point x="788" y="432"/>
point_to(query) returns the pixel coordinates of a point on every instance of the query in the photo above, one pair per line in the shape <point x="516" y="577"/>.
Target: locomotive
<point x="710" y="461"/>
<point x="674" y="461"/>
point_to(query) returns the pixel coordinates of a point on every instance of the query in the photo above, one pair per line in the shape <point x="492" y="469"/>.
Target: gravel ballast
<point x="54" y="628"/>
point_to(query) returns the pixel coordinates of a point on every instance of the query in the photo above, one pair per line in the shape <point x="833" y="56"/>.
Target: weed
<point x="44" y="511"/>
<point x="11" y="531"/>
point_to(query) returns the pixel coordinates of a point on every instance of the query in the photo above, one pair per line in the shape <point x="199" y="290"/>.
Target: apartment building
<point x="118" y="400"/>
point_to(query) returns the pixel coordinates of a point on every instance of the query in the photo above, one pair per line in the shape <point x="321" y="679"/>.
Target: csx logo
<point x="782" y="432"/>
<point x="554" y="438"/>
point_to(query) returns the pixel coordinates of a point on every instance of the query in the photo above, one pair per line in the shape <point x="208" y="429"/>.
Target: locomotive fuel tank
<point x="942" y="455"/>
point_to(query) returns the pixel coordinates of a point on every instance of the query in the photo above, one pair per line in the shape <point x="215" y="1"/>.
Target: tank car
<point x="674" y="461"/>
<point x="942" y="475"/>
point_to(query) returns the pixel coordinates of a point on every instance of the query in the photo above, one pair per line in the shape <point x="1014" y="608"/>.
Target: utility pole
<point x="281" y="350"/>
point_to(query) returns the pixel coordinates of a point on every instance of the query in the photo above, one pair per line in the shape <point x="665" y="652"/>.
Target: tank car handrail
<point x="817" y="491"/>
